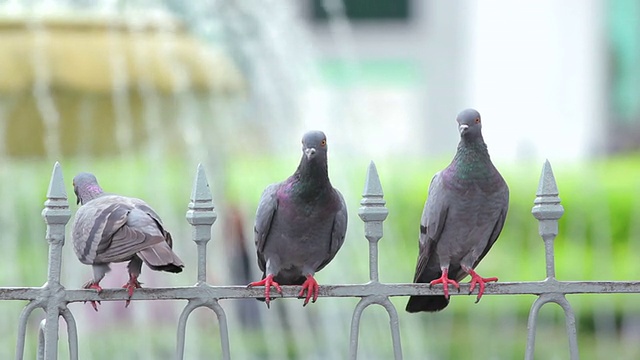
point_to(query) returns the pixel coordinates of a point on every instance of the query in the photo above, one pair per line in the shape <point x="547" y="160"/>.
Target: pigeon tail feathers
<point x="161" y="257"/>
<point x="430" y="303"/>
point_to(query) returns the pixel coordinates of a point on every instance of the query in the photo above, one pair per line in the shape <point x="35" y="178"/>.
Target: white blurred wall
<point x="537" y="73"/>
<point x="534" y="69"/>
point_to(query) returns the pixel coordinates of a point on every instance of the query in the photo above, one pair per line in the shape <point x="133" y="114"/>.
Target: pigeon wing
<point x="264" y="216"/>
<point x="139" y="232"/>
<point x="142" y="205"/>
<point x="338" y="231"/>
<point x="432" y="222"/>
<point x="94" y="225"/>
<point x="497" y="227"/>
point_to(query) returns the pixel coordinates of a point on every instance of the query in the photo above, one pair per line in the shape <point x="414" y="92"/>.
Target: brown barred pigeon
<point x="112" y="228"/>
<point x="300" y="223"/>
<point x="462" y="217"/>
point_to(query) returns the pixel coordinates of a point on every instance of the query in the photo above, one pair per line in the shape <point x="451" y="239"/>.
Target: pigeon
<point x="111" y="228"/>
<point x="462" y="218"/>
<point x="300" y="223"/>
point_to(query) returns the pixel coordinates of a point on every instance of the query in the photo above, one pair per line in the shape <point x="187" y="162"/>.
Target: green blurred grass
<point x="598" y="235"/>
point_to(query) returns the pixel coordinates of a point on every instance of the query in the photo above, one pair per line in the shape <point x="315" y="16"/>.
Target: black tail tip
<point x="168" y="268"/>
<point x="426" y="303"/>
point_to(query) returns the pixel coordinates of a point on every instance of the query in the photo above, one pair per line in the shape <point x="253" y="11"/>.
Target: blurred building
<point x="552" y="79"/>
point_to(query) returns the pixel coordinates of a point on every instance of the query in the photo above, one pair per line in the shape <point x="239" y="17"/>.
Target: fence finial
<point x="372" y="186"/>
<point x="200" y="192"/>
<point x="547" y="203"/>
<point x="373" y="213"/>
<point x="56" y="184"/>
<point x="56" y="207"/>
<point x="201" y="215"/>
<point x="56" y="214"/>
<point x="547" y="210"/>
<point x="372" y="202"/>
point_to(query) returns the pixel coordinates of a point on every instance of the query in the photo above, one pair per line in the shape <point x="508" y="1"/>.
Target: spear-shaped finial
<point x="373" y="212"/>
<point x="547" y="210"/>
<point x="201" y="215"/>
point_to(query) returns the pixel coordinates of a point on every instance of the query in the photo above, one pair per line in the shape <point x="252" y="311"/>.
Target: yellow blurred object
<point x="80" y="64"/>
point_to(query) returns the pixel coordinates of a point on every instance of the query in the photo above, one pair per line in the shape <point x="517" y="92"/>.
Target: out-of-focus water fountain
<point x="139" y="94"/>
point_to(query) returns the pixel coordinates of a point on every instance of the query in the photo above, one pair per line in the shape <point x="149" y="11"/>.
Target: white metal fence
<point x="53" y="297"/>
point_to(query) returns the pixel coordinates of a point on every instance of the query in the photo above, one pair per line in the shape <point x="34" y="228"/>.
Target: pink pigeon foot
<point x="311" y="287"/>
<point x="97" y="287"/>
<point x="445" y="281"/>
<point x="131" y="286"/>
<point x="267" y="282"/>
<point x="480" y="281"/>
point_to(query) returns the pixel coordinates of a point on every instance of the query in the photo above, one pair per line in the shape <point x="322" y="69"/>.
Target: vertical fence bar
<point x="224" y="328"/>
<point x="56" y="214"/>
<point x="182" y="327"/>
<point x="547" y="210"/>
<point x="201" y="215"/>
<point x="22" y="327"/>
<point x="72" y="332"/>
<point x="373" y="213"/>
<point x="40" y="353"/>
<point x="355" y="326"/>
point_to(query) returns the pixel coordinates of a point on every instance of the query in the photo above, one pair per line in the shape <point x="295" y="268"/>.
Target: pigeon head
<point x="469" y="124"/>
<point x="314" y="145"/>
<point x="85" y="186"/>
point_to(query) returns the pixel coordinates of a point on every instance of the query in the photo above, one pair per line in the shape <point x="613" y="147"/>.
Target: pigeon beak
<point x="463" y="128"/>
<point x="309" y="152"/>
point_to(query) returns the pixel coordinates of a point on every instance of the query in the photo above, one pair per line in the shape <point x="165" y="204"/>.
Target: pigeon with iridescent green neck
<point x="462" y="217"/>
<point x="300" y="223"/>
<point x="111" y="228"/>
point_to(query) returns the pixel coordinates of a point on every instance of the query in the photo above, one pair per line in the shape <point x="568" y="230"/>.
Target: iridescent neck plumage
<point x="89" y="192"/>
<point x="472" y="159"/>
<point x="311" y="177"/>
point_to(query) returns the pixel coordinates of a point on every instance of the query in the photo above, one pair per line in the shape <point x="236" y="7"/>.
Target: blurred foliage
<point x="601" y="200"/>
<point x="597" y="241"/>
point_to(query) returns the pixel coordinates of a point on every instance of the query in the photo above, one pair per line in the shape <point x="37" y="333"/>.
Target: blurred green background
<point x="139" y="94"/>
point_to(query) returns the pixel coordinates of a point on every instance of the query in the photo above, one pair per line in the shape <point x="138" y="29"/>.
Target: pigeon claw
<point x="131" y="286"/>
<point x="267" y="282"/>
<point x="312" y="288"/>
<point x="480" y="281"/>
<point x="445" y="281"/>
<point x="98" y="288"/>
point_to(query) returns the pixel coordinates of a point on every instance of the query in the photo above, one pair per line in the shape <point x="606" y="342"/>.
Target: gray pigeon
<point x="300" y="223"/>
<point x="462" y="217"/>
<point x="112" y="228"/>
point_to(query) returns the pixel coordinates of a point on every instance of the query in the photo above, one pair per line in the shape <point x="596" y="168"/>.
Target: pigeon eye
<point x="323" y="142"/>
<point x="477" y="120"/>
